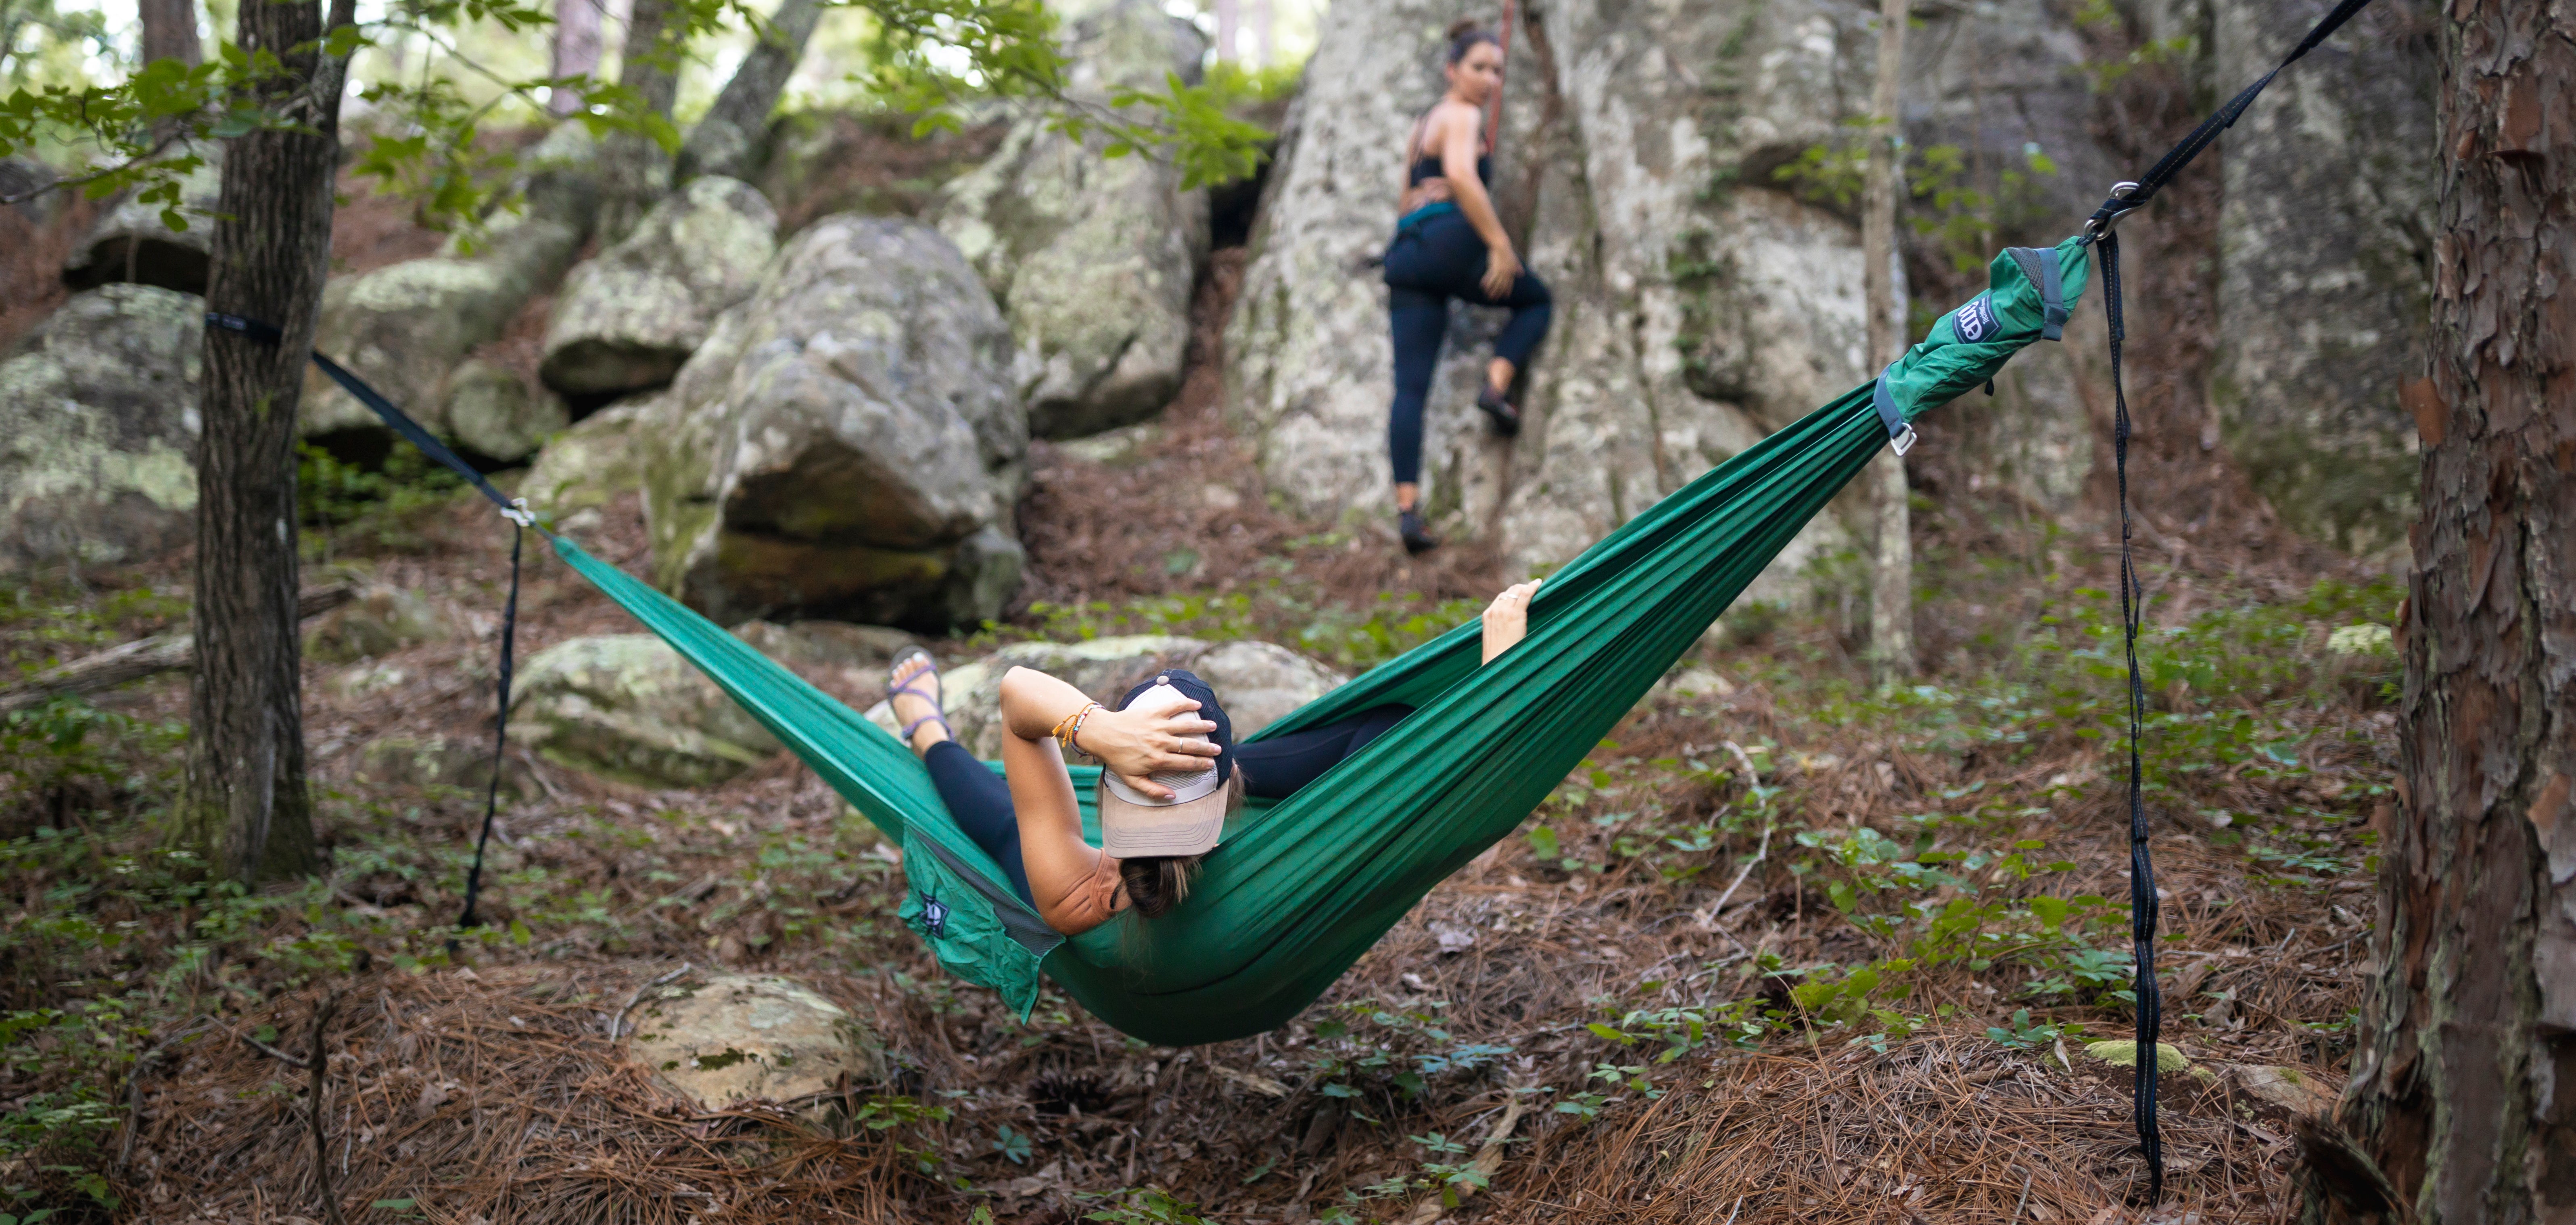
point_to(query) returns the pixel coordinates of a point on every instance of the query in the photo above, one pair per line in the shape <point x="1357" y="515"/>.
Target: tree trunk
<point x="1891" y="596"/>
<point x="634" y="169"/>
<point x="1264" y="30"/>
<point x="729" y="140"/>
<point x="170" y="31"/>
<point x="1229" y="21"/>
<point x="2464" y="1091"/>
<point x="246" y="807"/>
<point x="576" y="50"/>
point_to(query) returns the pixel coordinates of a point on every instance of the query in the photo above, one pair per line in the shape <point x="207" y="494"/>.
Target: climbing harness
<point x="2127" y="197"/>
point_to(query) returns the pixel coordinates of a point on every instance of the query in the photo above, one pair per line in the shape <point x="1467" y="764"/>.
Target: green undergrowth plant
<point x="354" y="508"/>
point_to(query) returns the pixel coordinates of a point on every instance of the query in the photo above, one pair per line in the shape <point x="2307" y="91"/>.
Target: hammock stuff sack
<point x="1301" y="888"/>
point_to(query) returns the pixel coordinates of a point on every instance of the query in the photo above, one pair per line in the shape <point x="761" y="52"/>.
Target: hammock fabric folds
<point x="1300" y="889"/>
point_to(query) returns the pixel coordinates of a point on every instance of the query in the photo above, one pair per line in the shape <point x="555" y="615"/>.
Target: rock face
<point x="2322" y="324"/>
<point x="404" y="326"/>
<point x="847" y="443"/>
<point x="98" y="430"/>
<point x="627" y="708"/>
<point x="628" y="319"/>
<point x="132" y="243"/>
<point x="1258" y="682"/>
<point x="1091" y="257"/>
<point x="595" y="462"/>
<point x="1698" y="304"/>
<point x="741" y="1037"/>
<point x="491" y="411"/>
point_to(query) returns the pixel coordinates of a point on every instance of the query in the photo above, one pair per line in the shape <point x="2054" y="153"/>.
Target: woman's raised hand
<point x="1502" y="267"/>
<point x="1149" y="738"/>
<point x="1507" y="618"/>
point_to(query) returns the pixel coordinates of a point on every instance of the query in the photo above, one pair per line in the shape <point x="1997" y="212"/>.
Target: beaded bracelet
<point x="1071" y="727"/>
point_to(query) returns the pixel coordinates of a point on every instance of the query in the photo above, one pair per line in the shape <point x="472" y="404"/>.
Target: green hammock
<point x="1302" y="887"/>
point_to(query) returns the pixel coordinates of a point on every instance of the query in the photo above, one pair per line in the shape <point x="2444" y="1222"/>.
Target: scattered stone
<point x="492" y="412"/>
<point x="593" y="463"/>
<point x="461" y="762"/>
<point x="133" y="243"/>
<point x="2287" y="1090"/>
<point x="383" y="619"/>
<point x="847" y="443"/>
<point x="627" y="708"/>
<point x="98" y="430"/>
<point x="1258" y="682"/>
<point x="1091" y="257"/>
<point x="404" y="326"/>
<point x="628" y="319"/>
<point x="740" y="1037"/>
<point x="2123" y="1053"/>
<point x="1116" y="448"/>
<point x="1700" y="683"/>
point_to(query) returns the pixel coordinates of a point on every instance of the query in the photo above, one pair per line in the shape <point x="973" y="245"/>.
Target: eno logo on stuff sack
<point x="934" y="915"/>
<point x="1975" y="321"/>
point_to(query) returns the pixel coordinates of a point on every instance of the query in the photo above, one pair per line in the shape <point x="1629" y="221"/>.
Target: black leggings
<point x="1273" y="769"/>
<point x="1431" y="261"/>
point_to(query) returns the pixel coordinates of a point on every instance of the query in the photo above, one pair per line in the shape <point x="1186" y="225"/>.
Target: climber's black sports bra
<point x="1428" y="166"/>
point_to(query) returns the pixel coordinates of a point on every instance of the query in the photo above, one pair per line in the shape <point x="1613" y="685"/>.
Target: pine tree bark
<point x="1891" y="596"/>
<point x="170" y="31"/>
<point x="2464" y="1092"/>
<point x="634" y="169"/>
<point x="246" y="807"/>
<point x="729" y="139"/>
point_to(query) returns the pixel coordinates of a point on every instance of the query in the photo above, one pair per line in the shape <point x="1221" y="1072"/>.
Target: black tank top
<point x="1428" y="165"/>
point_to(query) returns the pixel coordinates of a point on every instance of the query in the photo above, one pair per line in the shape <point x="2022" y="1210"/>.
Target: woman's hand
<point x="1507" y="618"/>
<point x="1148" y="738"/>
<point x="1502" y="267"/>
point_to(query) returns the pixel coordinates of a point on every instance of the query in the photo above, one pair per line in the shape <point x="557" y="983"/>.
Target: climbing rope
<point x="2126" y="198"/>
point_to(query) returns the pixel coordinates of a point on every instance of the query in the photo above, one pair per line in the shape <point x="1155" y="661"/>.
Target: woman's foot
<point x="1418" y="539"/>
<point x="1507" y="417"/>
<point x="916" y="706"/>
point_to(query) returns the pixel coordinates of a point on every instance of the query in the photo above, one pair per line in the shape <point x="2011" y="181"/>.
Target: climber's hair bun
<point x="1463" y="37"/>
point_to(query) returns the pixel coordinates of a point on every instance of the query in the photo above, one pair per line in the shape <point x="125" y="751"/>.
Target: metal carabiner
<point x="2112" y="211"/>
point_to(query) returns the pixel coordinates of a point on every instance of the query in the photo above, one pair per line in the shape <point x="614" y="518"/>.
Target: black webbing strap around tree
<point x="2126" y="198"/>
<point x="513" y="509"/>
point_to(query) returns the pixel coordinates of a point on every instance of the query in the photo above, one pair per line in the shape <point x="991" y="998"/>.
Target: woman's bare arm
<point x="1461" y="139"/>
<point x="1072" y="882"/>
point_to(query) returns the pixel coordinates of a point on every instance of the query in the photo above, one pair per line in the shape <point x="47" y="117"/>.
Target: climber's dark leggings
<point x="1431" y="261"/>
<point x="1274" y="769"/>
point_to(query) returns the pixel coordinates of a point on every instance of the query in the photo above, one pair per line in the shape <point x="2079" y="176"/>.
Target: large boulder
<point x="736" y="1038"/>
<point x="1091" y="257"/>
<point x="627" y="708"/>
<point x="628" y="319"/>
<point x="135" y="242"/>
<point x="98" y="430"/>
<point x="1258" y="682"/>
<point x="493" y="411"/>
<point x="404" y="327"/>
<point x="2325" y="242"/>
<point x="1699" y="303"/>
<point x="847" y="443"/>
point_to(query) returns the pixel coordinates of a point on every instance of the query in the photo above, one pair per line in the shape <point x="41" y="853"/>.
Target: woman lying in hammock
<point x="1172" y="777"/>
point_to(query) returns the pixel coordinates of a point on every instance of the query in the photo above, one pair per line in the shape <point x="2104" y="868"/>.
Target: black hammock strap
<point x="513" y="509"/>
<point x="2127" y="198"/>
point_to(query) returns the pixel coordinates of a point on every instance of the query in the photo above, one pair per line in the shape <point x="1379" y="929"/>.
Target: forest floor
<point x="1786" y="947"/>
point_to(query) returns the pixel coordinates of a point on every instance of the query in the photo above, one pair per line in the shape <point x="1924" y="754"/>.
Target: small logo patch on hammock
<point x="1975" y="321"/>
<point x="934" y="915"/>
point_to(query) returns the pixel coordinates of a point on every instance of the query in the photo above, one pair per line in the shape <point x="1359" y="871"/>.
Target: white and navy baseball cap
<point x="1134" y="825"/>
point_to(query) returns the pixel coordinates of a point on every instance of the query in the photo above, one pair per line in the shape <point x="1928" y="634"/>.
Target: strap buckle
<point x="517" y="512"/>
<point x="1902" y="440"/>
<point x="2112" y="210"/>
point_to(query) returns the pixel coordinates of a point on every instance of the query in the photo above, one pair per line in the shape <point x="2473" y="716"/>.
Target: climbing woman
<point x="1449" y="244"/>
<point x="1173" y="776"/>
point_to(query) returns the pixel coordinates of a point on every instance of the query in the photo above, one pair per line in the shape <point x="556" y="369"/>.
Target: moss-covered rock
<point x="132" y="242"/>
<point x="847" y="443"/>
<point x="1091" y="257"/>
<point x="593" y="463"/>
<point x="626" y="707"/>
<point x="628" y="319"/>
<point x="492" y="411"/>
<point x="98" y="430"/>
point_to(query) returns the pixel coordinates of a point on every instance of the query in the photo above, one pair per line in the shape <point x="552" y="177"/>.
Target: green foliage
<point x="1831" y="174"/>
<point x="346" y="507"/>
<point x="1141" y="1206"/>
<point x="1389" y="1053"/>
<point x="1960" y="219"/>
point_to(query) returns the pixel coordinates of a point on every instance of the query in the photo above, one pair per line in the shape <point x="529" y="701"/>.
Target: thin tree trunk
<point x="1891" y="599"/>
<point x="729" y="140"/>
<point x="1229" y="22"/>
<point x="634" y="169"/>
<point x="576" y="50"/>
<point x="170" y="31"/>
<point x="2464" y="1091"/>
<point x="1264" y="29"/>
<point x="246" y="807"/>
